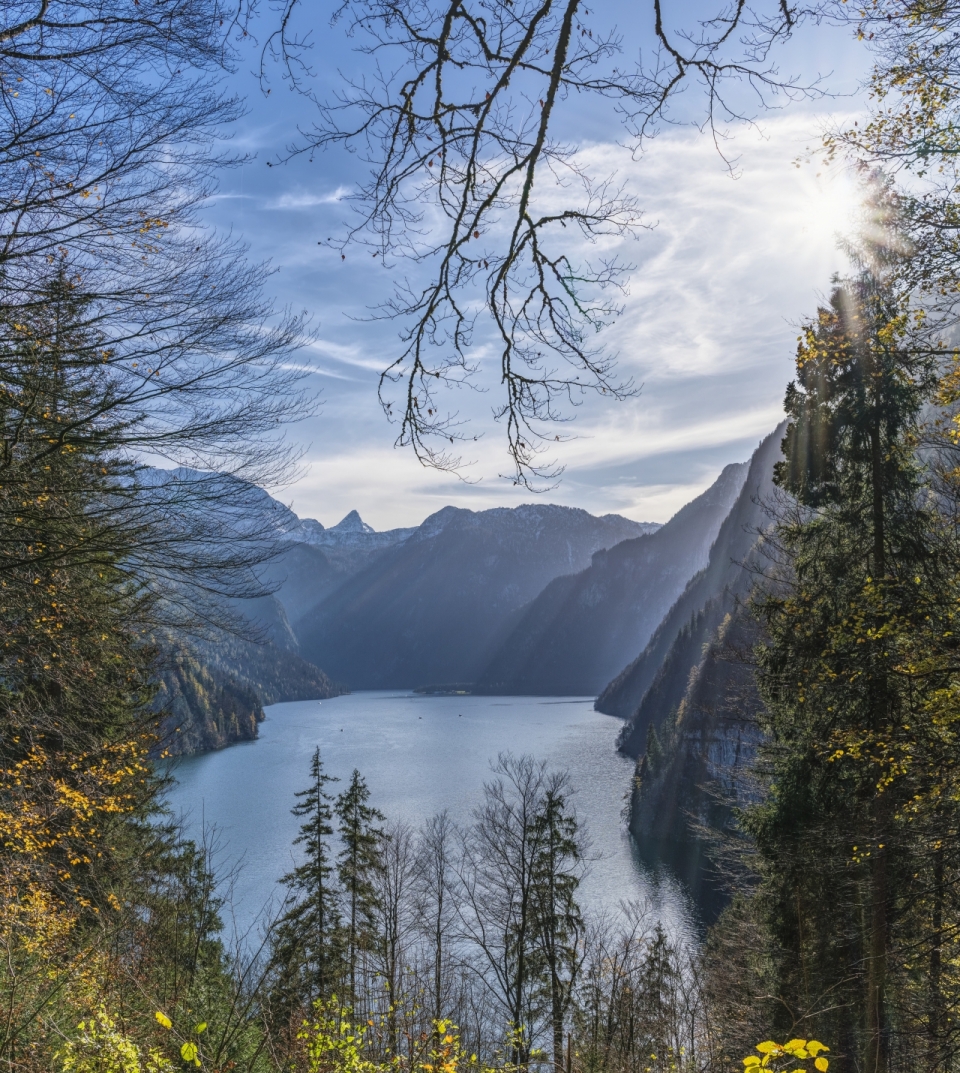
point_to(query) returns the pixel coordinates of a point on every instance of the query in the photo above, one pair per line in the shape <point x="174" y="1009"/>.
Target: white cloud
<point x="307" y="200"/>
<point x="708" y="329"/>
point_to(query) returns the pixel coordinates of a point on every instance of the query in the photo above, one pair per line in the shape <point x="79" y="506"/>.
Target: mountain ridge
<point x="430" y="608"/>
<point x="580" y="630"/>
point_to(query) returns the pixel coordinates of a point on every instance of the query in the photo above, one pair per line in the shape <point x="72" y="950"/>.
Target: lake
<point x="419" y="755"/>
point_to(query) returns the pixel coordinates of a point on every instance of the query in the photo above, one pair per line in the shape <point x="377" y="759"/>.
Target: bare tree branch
<point x="468" y="181"/>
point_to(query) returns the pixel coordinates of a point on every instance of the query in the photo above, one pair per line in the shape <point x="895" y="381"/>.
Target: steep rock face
<point x="433" y="608"/>
<point x="582" y="629"/>
<point x="697" y="763"/>
<point x="726" y="571"/>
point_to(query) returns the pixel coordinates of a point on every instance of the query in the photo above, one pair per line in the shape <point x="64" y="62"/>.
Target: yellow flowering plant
<point x="334" y="1044"/>
<point x="189" y="1049"/>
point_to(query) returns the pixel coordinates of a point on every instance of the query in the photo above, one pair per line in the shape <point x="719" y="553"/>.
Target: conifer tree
<point x="842" y="870"/>
<point x="559" y="924"/>
<point x="308" y="949"/>
<point x="359" y="860"/>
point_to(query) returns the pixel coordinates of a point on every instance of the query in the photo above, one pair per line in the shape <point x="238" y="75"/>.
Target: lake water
<point x="419" y="755"/>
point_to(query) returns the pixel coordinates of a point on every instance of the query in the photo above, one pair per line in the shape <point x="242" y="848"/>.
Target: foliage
<point x="102" y="1048"/>
<point x="795" y="1053"/>
<point x="859" y="611"/>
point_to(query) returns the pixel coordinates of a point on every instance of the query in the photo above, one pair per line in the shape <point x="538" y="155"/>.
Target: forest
<point x="146" y="383"/>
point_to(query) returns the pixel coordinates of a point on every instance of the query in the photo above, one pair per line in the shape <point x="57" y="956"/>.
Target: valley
<point x="539" y="601"/>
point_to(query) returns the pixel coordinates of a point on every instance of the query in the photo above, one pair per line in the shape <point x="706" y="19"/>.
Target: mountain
<point x="725" y="572"/>
<point x="691" y="704"/>
<point x="213" y="689"/>
<point x="314" y="562"/>
<point x="583" y="628"/>
<point x="434" y="608"/>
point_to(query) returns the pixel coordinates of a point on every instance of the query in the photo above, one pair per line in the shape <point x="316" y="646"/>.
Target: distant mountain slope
<point x="697" y="613"/>
<point x="315" y="561"/>
<point x="433" y="608"/>
<point x="696" y="767"/>
<point x="582" y="629"/>
<point x="214" y="690"/>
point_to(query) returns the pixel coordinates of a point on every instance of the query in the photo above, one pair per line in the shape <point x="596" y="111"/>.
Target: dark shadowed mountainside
<point x="696" y="767"/>
<point x="434" y="608"/>
<point x="214" y="690"/>
<point x="691" y="703"/>
<point x="315" y="561"/>
<point x="725" y="573"/>
<point x="582" y="629"/>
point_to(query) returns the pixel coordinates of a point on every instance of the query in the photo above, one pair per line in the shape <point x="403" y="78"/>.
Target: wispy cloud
<point x="307" y="200"/>
<point x="709" y="329"/>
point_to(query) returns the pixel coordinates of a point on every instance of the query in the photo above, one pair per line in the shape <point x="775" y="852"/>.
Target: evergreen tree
<point x="74" y="702"/>
<point x="559" y="924"/>
<point x="842" y="870"/>
<point x="359" y="860"/>
<point x="307" y="949"/>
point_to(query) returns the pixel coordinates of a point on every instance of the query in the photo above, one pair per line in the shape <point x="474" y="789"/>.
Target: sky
<point x="731" y="262"/>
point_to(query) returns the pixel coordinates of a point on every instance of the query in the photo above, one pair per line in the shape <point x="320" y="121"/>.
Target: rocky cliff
<point x="693" y="724"/>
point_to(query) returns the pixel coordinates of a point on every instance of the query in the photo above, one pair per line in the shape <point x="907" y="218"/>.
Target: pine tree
<point x="559" y="924"/>
<point x="357" y="864"/>
<point x="307" y="954"/>
<point x="74" y="703"/>
<point x="865" y="566"/>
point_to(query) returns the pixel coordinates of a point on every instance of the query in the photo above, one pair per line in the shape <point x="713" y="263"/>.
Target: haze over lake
<point x="419" y="755"/>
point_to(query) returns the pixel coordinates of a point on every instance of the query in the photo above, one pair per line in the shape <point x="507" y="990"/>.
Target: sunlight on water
<point x="419" y="755"/>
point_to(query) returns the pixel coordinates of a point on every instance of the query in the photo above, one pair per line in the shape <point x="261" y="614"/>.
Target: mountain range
<point x="434" y="607"/>
<point x="581" y="630"/>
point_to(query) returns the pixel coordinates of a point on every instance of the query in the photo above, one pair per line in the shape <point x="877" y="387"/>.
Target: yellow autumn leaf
<point x="815" y="1046"/>
<point x="163" y="1019"/>
<point x="188" y="1052"/>
<point x="768" y="1047"/>
<point x="751" y="1060"/>
<point x="821" y="1064"/>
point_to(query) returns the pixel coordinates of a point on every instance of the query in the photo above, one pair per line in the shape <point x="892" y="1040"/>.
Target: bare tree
<point x="457" y="118"/>
<point x="436" y="905"/>
<point x="498" y="894"/>
<point x="394" y="908"/>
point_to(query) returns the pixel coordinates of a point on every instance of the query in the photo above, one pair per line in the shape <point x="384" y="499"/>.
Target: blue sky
<point x="727" y="269"/>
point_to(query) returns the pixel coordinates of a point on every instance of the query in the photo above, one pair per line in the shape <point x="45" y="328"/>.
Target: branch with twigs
<point x="468" y="180"/>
